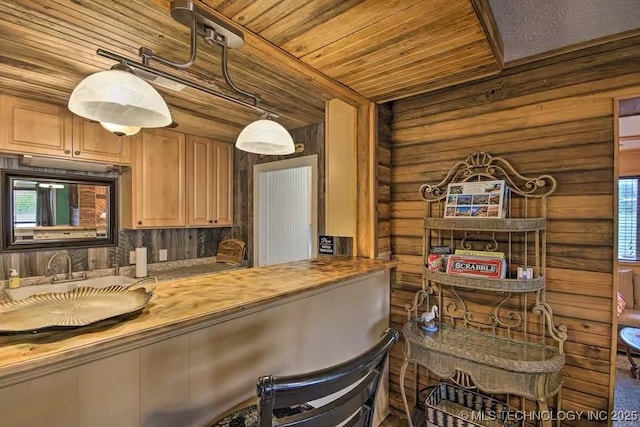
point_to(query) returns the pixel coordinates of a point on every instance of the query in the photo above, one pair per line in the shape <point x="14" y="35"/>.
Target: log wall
<point x="551" y="116"/>
<point x="383" y="176"/>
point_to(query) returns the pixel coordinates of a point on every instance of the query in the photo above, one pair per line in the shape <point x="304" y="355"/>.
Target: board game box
<point x="493" y="268"/>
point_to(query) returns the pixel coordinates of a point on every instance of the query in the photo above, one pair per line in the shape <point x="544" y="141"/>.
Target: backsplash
<point x="181" y="244"/>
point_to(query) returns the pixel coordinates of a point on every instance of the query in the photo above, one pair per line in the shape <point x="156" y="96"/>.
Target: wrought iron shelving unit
<point x="496" y="335"/>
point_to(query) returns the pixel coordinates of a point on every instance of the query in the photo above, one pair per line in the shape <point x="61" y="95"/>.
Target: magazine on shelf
<point x="478" y="199"/>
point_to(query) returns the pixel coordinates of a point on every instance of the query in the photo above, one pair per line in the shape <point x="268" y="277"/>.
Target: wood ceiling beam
<point x="490" y="28"/>
<point x="278" y="58"/>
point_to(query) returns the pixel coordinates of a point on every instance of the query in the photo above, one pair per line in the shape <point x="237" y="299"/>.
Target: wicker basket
<point x="448" y="405"/>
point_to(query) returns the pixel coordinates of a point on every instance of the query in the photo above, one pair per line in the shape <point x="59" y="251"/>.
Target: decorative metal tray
<point x="78" y="307"/>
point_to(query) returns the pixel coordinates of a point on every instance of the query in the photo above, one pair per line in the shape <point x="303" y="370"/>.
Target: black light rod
<point x="134" y="64"/>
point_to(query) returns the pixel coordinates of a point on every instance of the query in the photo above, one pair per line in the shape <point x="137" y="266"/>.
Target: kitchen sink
<point x="94" y="282"/>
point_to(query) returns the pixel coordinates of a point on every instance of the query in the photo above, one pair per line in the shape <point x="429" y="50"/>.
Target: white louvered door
<point x="285" y="210"/>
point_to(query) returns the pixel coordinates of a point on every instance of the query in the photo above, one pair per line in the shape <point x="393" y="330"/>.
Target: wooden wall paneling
<point x="366" y="180"/>
<point x="528" y="114"/>
<point x="383" y="152"/>
<point x="516" y="88"/>
<point x="182" y="244"/>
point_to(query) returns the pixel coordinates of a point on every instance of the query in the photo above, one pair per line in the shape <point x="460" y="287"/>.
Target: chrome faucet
<point x="69" y="278"/>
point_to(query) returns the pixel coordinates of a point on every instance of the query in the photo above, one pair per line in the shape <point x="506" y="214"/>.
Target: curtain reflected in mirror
<point x="44" y="206"/>
<point x="47" y="209"/>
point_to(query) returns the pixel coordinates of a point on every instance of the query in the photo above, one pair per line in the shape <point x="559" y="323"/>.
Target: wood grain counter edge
<point x="178" y="307"/>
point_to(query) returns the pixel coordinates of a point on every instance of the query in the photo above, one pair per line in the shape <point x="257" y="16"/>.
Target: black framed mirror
<point x="47" y="211"/>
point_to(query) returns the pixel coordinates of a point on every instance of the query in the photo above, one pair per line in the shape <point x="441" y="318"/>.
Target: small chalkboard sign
<point x="325" y="245"/>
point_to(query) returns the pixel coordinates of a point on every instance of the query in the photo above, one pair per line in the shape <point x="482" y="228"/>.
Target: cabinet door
<point x="93" y="142"/>
<point x="50" y="400"/>
<point x="201" y="186"/>
<point x="223" y="176"/>
<point x="33" y="127"/>
<point x="159" y="184"/>
<point x="209" y="182"/>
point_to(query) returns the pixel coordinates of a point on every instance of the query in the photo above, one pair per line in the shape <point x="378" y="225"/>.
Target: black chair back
<point x="355" y="407"/>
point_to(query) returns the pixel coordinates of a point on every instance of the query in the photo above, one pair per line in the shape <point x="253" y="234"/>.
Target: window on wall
<point x="628" y="219"/>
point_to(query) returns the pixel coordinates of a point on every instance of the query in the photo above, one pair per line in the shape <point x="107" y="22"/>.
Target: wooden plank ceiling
<point x="367" y="48"/>
<point x="384" y="50"/>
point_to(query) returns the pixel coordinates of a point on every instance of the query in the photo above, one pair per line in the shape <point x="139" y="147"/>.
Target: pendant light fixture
<point x="120" y="98"/>
<point x="265" y="136"/>
<point x="123" y="104"/>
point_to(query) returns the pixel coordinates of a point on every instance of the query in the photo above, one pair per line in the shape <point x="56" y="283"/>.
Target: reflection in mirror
<point x="55" y="211"/>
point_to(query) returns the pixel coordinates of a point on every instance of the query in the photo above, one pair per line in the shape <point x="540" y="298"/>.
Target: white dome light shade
<point x="265" y="137"/>
<point x="121" y="130"/>
<point x="119" y="97"/>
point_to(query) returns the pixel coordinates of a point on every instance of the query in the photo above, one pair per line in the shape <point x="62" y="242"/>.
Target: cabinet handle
<point x="210" y="221"/>
<point x="77" y="153"/>
<point x="139" y="222"/>
<point x="67" y="151"/>
<point x="215" y="222"/>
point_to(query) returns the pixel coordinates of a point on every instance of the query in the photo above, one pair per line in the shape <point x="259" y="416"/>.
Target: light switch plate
<point x="162" y="255"/>
<point x="132" y="257"/>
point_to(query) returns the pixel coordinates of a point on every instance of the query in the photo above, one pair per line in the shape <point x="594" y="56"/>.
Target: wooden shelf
<point x="484" y="284"/>
<point x="487" y="224"/>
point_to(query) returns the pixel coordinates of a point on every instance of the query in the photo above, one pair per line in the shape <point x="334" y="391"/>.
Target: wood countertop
<point x="177" y="306"/>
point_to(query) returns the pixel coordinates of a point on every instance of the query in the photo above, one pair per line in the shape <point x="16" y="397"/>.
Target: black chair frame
<point x="355" y="407"/>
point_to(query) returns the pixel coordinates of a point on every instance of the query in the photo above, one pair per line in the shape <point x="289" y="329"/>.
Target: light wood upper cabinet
<point x="39" y="128"/>
<point x="209" y="182"/>
<point x="93" y="142"/>
<point x="33" y="127"/>
<point x="223" y="174"/>
<point x="153" y="190"/>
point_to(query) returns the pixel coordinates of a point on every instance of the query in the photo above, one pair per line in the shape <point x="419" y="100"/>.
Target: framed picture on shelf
<point x="479" y="199"/>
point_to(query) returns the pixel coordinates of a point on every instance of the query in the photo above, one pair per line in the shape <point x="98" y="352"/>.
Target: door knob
<point x="77" y="153"/>
<point x="210" y="221"/>
<point x="67" y="151"/>
<point x="139" y="222"/>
